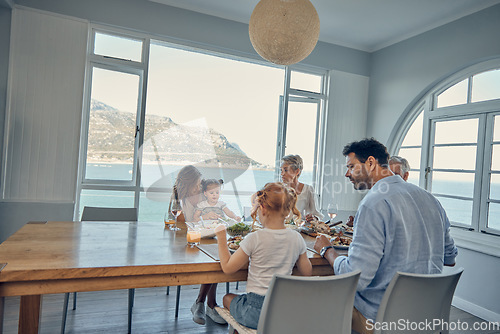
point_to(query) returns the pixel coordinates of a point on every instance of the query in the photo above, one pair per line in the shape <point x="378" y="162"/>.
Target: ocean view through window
<point x="217" y="113"/>
<point x="455" y="141"/>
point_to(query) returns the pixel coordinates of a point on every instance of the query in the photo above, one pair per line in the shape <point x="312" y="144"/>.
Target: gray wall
<point x="400" y="75"/>
<point x="403" y="72"/>
<point x="477" y="289"/>
<point x="5" y="18"/>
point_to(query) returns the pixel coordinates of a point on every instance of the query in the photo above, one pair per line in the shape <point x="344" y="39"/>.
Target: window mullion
<point x="282" y="121"/>
<point x="141" y="118"/>
<point x="486" y="171"/>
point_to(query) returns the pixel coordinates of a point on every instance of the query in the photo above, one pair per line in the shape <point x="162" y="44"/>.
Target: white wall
<point x="403" y="73"/>
<point x="44" y="107"/>
<point x="42" y="118"/>
<point x="347" y="110"/>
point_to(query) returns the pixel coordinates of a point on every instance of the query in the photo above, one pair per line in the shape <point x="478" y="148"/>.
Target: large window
<point x="457" y="140"/>
<point x="153" y="107"/>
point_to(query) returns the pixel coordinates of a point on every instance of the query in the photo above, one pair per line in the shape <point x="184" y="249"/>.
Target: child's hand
<point x="220" y="232"/>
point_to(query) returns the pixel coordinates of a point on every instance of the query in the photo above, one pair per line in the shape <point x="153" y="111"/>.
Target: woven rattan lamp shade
<point x="284" y="31"/>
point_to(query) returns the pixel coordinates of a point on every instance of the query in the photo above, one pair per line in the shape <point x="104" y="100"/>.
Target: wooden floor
<point x="106" y="312"/>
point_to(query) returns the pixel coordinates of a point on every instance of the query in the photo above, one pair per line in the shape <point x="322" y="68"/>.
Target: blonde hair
<point x="294" y="160"/>
<point x="276" y="197"/>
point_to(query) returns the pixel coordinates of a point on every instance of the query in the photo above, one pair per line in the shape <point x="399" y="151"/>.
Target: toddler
<point x="212" y="208"/>
<point x="274" y="249"/>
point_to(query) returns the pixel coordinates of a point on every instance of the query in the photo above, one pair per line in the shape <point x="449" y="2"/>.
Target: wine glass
<point x="176" y="210"/>
<point x="303" y="214"/>
<point x="332" y="211"/>
<point x="169" y="219"/>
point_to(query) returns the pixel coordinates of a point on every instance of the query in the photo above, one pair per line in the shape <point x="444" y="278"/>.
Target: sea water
<point x="157" y="182"/>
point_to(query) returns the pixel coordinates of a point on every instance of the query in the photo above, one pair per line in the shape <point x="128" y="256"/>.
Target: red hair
<point x="276" y="197"/>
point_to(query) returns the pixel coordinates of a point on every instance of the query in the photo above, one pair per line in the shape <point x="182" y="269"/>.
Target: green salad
<point x="239" y="228"/>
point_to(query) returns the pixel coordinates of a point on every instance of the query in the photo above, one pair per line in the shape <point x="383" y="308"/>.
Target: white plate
<point x="207" y="228"/>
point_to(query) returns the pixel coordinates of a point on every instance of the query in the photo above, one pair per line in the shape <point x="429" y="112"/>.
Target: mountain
<point x="111" y="134"/>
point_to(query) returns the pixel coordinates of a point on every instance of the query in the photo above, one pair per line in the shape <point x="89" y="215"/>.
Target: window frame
<point x="486" y="175"/>
<point x="480" y="237"/>
<point x="474" y="226"/>
<point x="141" y="69"/>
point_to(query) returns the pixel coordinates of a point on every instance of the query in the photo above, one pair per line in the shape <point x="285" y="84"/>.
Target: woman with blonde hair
<point x="291" y="168"/>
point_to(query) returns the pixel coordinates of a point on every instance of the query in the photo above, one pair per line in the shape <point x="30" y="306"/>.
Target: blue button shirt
<point x="398" y="227"/>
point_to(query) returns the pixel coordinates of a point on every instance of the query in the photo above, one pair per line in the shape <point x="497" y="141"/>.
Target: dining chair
<point x="417" y="298"/>
<point x="298" y="304"/>
<point x="91" y="213"/>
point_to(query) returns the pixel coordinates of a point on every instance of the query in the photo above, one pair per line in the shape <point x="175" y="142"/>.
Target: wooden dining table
<point x="59" y="257"/>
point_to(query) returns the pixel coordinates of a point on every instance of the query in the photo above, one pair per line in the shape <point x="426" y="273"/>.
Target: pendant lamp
<point x="284" y="31"/>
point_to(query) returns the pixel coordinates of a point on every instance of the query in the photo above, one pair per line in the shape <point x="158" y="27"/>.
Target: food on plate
<point x="341" y="241"/>
<point x="234" y="242"/>
<point x="314" y="227"/>
<point x="238" y="229"/>
<point x="348" y="229"/>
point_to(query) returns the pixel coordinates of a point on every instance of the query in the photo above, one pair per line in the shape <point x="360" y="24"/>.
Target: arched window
<point x="453" y="146"/>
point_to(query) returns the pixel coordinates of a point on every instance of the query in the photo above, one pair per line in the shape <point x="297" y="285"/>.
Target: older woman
<point x="187" y="187"/>
<point x="291" y="168"/>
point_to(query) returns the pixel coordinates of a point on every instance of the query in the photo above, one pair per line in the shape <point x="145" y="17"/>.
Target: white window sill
<point x="479" y="242"/>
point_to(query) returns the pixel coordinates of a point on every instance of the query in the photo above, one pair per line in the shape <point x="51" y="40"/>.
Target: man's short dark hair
<point x="367" y="147"/>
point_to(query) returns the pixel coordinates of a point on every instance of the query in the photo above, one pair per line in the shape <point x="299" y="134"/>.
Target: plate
<point x="207" y="228"/>
<point x="232" y="240"/>
<point x="341" y="246"/>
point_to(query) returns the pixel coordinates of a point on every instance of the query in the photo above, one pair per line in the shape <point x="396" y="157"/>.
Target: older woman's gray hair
<point x="294" y="160"/>
<point x="405" y="166"/>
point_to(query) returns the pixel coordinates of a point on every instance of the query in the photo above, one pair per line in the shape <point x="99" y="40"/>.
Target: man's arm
<point x="331" y="254"/>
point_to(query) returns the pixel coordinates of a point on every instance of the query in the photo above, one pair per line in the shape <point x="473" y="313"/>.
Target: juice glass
<point x="193" y="237"/>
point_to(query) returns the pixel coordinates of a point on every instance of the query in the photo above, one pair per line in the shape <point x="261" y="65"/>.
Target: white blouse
<point x="307" y="200"/>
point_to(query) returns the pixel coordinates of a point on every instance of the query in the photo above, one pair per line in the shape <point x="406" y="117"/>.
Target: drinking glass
<point x="303" y="214"/>
<point x="176" y="210"/>
<point x="169" y="219"/>
<point x="332" y="210"/>
<point x="193" y="237"/>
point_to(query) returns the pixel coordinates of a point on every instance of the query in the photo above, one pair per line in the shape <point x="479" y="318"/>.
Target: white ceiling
<point x="367" y="25"/>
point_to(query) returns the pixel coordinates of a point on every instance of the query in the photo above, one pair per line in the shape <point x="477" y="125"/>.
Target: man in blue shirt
<point x="398" y="227"/>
